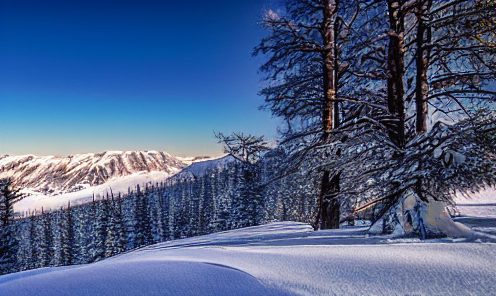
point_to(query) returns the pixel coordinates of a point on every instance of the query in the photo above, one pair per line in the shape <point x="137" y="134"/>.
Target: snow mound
<point x="284" y="258"/>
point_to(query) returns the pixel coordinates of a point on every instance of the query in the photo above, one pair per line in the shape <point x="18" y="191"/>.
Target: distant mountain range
<point x="51" y="175"/>
<point x="53" y="181"/>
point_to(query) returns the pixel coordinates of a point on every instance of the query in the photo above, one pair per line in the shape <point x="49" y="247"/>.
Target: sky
<point x="89" y="76"/>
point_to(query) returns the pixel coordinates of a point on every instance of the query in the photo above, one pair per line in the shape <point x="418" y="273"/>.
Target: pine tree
<point x="120" y="224"/>
<point x="47" y="251"/>
<point x="9" y="244"/>
<point x="68" y="238"/>
<point x="34" y="241"/>
<point x="112" y="246"/>
<point x="142" y="228"/>
<point x="248" y="151"/>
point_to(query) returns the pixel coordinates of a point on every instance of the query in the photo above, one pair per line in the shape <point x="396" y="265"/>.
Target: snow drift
<point x="284" y="258"/>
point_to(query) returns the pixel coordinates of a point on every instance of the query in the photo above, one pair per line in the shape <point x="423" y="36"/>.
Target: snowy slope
<point x="52" y="175"/>
<point x="479" y="204"/>
<point x="35" y="201"/>
<point x="276" y="259"/>
<point x="198" y="168"/>
<point x="155" y="167"/>
<point x="189" y="160"/>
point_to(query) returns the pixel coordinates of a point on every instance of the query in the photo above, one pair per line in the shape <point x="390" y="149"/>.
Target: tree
<point x="247" y="203"/>
<point x="8" y="242"/>
<point x="34" y="241"/>
<point x="400" y="71"/>
<point x="47" y="251"/>
<point x="120" y="224"/>
<point x="311" y="48"/>
<point x="142" y="227"/>
<point x="68" y="239"/>
<point x="434" y="138"/>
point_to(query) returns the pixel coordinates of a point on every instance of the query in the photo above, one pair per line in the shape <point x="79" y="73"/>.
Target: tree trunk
<point x="395" y="90"/>
<point x="328" y="207"/>
<point x="421" y="84"/>
<point x="396" y="69"/>
<point x="422" y="63"/>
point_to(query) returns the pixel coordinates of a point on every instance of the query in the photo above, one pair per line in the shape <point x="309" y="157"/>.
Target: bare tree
<point x="436" y="135"/>
<point x="310" y="52"/>
<point x="246" y="149"/>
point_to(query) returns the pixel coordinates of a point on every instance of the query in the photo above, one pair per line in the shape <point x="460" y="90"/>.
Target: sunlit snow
<point x="285" y="258"/>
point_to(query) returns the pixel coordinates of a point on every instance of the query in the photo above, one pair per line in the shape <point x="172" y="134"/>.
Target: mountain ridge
<point x="52" y="175"/>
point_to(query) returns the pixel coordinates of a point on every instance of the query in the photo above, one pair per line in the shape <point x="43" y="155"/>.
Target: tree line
<point x="221" y="198"/>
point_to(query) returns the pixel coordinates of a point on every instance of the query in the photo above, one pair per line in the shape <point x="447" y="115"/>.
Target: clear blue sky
<point x="92" y="75"/>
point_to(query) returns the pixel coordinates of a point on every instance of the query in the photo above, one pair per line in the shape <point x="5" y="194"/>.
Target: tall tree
<point x="310" y="48"/>
<point x="34" y="241"/>
<point x="420" y="147"/>
<point x="9" y="244"/>
<point x="248" y="150"/>
<point x="68" y="238"/>
<point x="47" y="251"/>
<point x="142" y="227"/>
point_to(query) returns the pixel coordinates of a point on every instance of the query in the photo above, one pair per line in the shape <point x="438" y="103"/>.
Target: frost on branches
<point x="392" y="102"/>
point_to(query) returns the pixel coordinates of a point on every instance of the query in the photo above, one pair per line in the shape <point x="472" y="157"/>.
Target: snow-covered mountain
<point x="51" y="182"/>
<point x="51" y="175"/>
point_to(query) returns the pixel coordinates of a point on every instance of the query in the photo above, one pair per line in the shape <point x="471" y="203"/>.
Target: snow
<point x="285" y="258"/>
<point x="438" y="218"/>
<point x="36" y="201"/>
<point x="478" y="204"/>
<point x="189" y="160"/>
<point x="200" y="167"/>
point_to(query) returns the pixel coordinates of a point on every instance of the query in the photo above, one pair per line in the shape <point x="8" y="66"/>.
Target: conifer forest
<point x="183" y="206"/>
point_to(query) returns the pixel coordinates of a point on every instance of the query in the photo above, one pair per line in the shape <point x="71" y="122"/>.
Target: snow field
<point x="284" y="258"/>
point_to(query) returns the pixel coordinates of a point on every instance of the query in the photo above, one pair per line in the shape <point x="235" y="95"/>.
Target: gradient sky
<point x="88" y="76"/>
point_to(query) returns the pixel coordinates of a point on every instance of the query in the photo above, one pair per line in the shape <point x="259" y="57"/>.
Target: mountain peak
<point x="53" y="175"/>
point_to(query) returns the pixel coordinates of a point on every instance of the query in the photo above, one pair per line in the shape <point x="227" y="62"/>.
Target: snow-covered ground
<point x="486" y="196"/>
<point x="35" y="201"/>
<point x="285" y="258"/>
<point x="478" y="204"/>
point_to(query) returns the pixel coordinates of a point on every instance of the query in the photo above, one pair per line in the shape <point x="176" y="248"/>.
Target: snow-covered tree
<point x="247" y="202"/>
<point x="9" y="243"/>
<point x="142" y="227"/>
<point x="46" y="250"/>
<point x="426" y="133"/>
<point x="68" y="239"/>
<point x="311" y="47"/>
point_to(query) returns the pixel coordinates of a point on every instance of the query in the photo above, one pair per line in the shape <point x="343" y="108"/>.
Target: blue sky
<point x="87" y="76"/>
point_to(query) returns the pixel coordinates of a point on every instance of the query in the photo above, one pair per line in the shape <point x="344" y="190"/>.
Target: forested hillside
<point x="183" y="206"/>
